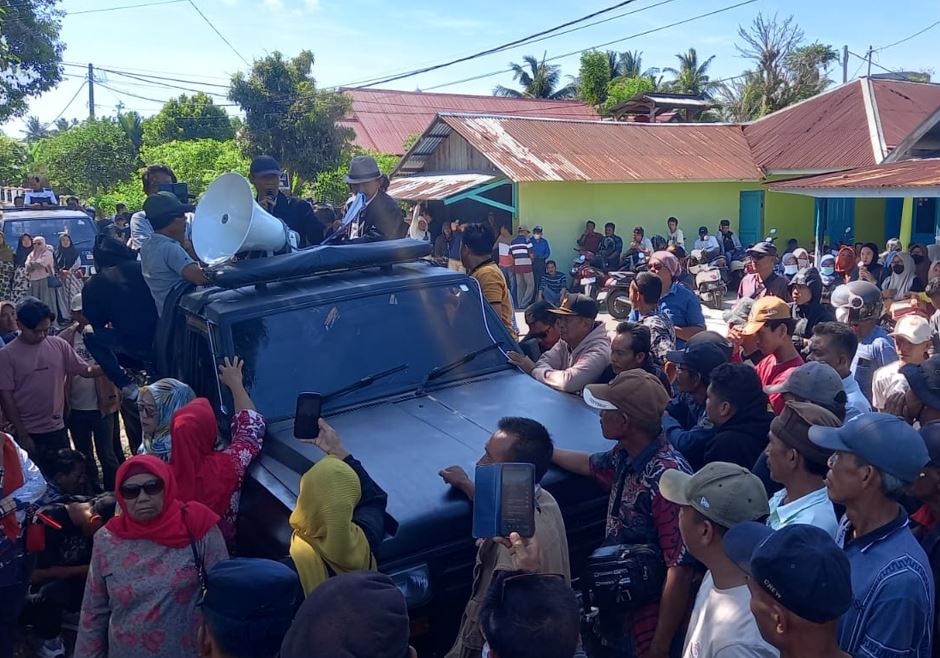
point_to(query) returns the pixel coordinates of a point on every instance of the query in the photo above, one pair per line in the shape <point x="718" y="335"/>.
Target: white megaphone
<point x="229" y="221"/>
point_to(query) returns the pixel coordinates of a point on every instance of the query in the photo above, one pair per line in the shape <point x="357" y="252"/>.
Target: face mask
<point x="917" y="258"/>
<point x="828" y="271"/>
<point x="536" y="237"/>
<point x="790" y="269"/>
<point x="897" y="269"/>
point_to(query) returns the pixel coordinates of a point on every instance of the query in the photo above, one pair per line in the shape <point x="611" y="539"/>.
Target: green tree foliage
<point x="35" y="130"/>
<point x="538" y="79"/>
<point x="691" y="77"/>
<point x="197" y="162"/>
<point x="188" y="117"/>
<point x="89" y="158"/>
<point x="331" y="187"/>
<point x="287" y="117"/>
<point x="594" y="75"/>
<point x="30" y="52"/>
<point x="133" y="126"/>
<point x="130" y="192"/>
<point x="623" y="89"/>
<point x="14" y="161"/>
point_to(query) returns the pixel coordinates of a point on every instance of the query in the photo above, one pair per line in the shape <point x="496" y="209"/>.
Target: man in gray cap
<point x="762" y="280"/>
<point x="265" y="175"/>
<point x="381" y="219"/>
<point x="876" y="458"/>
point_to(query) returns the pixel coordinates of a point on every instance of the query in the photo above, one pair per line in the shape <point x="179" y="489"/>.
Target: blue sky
<point x="360" y="39"/>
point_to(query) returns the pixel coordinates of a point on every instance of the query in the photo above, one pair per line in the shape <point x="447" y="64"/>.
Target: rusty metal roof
<point x="383" y="119"/>
<point x="852" y="125"/>
<point x="527" y="149"/>
<point x="435" y="186"/>
<point x="915" y="176"/>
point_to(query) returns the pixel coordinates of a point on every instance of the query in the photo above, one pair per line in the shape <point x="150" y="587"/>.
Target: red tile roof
<point x="383" y="119"/>
<point x="852" y="125"/>
<point x="904" y="174"/>
<point x="528" y="149"/>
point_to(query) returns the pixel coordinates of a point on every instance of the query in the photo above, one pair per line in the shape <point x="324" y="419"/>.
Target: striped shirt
<point x="521" y="257"/>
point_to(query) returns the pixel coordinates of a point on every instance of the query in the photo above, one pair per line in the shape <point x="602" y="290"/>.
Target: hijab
<point x="827" y="262"/>
<point x="900" y="283"/>
<point x="790" y="264"/>
<point x="802" y="257"/>
<point x="416" y="233"/>
<point x="201" y="473"/>
<point x="6" y="251"/>
<point x="930" y="273"/>
<point x="168" y="396"/>
<point x="176" y="520"/>
<point x="21" y="251"/>
<point x="922" y="268"/>
<point x="845" y="262"/>
<point x="65" y="257"/>
<point x="324" y="532"/>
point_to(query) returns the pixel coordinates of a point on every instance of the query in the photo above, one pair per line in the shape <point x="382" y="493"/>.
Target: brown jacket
<point x="109" y="395"/>
<point x="493" y="557"/>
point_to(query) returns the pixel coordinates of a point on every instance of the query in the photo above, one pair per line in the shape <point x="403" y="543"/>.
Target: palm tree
<point x="63" y="124"/>
<point x="691" y="77"/>
<point x="538" y="80"/>
<point x="629" y="64"/>
<point x="133" y="126"/>
<point x="35" y="130"/>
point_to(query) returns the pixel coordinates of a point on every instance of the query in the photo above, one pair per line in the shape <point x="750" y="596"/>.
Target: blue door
<point x="840" y="221"/>
<point x="925" y="220"/>
<point x="893" y="208"/>
<point x="751" y="217"/>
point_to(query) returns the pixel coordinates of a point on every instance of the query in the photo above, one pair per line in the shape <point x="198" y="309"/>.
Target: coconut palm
<point x="538" y="80"/>
<point x="691" y="77"/>
<point x="133" y="126"/>
<point x="35" y="130"/>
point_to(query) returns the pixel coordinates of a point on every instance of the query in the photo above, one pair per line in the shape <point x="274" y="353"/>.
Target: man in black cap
<point x="543" y="330"/>
<point x="265" y="175"/>
<point x="361" y="614"/>
<point x="382" y="219"/>
<point x="163" y="261"/>
<point x="800" y="584"/>
<point x="247" y="608"/>
<point x="580" y="357"/>
<point x="762" y="280"/>
<point x="154" y="177"/>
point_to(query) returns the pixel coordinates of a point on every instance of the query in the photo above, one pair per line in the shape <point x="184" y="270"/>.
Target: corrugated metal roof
<point x="435" y="186"/>
<point x="603" y="151"/>
<point x="904" y="174"/>
<point x="383" y="119"/>
<point x="834" y="130"/>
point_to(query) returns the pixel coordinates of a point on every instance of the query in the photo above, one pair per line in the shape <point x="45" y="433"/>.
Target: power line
<point x="121" y="7"/>
<point x="69" y="104"/>
<point x="873" y="63"/>
<point x="128" y="72"/>
<point x="916" y="34"/>
<point x="601" y="45"/>
<point x="139" y="70"/>
<point x="215" y="29"/>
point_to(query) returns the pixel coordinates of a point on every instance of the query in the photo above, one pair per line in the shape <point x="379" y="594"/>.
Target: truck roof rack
<point x="317" y="260"/>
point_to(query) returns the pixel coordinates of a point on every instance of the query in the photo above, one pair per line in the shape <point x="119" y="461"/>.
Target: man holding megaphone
<point x="265" y="175"/>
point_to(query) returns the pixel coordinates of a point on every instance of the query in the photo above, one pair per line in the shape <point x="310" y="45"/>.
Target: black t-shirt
<point x="68" y="547"/>
<point x="119" y="295"/>
<point x="300" y="217"/>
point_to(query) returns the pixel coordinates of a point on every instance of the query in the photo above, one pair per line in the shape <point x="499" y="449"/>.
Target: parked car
<point x="352" y="312"/>
<point x="50" y="223"/>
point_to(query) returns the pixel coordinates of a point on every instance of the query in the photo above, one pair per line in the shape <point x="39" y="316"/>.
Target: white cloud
<point x="274" y="4"/>
<point x="312" y="4"/>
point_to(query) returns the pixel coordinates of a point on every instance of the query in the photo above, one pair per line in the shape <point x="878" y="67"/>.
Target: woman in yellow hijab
<point x="326" y="542"/>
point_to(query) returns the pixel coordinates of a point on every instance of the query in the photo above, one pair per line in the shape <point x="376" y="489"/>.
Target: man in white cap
<point x="382" y="219"/>
<point x="911" y="336"/>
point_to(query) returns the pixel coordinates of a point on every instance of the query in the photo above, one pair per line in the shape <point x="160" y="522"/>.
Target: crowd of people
<point x="778" y="487"/>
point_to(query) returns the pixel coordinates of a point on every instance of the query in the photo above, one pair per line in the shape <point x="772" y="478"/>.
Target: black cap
<point x="577" y="305"/>
<point x="163" y="207"/>
<point x="799" y="566"/>
<point x="763" y="249"/>
<point x="701" y="357"/>
<point x="264" y="165"/>
<point x="702" y="230"/>
<point x="924" y="380"/>
<point x="540" y="311"/>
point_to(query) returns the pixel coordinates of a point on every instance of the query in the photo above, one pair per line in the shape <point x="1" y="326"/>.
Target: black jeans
<point x="85" y="426"/>
<point x="48" y="445"/>
<point x="135" y="435"/>
<point x="46" y="605"/>
<point x="14" y="581"/>
<point x="108" y="350"/>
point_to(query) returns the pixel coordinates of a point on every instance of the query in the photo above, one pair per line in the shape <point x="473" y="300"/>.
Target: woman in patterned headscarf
<point x="157" y="403"/>
<point x="7" y="259"/>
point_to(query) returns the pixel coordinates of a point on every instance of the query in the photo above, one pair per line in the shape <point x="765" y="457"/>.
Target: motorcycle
<point x="709" y="284"/>
<point x="616" y="294"/>
<point x="585" y="279"/>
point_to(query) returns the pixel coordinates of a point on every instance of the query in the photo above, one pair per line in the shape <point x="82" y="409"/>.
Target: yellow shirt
<point x="495" y="291"/>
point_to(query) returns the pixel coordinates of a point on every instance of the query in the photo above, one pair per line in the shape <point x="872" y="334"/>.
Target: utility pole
<point x="845" y="64"/>
<point x="91" y="90"/>
<point x="871" y="52"/>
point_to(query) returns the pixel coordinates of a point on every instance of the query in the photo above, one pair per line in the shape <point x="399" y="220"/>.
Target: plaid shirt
<point x="663" y="334"/>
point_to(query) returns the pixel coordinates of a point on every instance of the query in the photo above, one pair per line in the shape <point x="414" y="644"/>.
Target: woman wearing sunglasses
<point x="144" y="582"/>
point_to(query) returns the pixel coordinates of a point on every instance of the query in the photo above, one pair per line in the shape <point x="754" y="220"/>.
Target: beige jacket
<point x="571" y="370"/>
<point x="493" y="557"/>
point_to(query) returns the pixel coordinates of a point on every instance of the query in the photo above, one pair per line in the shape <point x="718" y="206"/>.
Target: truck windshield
<point x="81" y="230"/>
<point x="325" y="348"/>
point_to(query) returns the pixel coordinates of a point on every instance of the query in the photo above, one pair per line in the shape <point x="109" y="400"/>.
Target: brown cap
<point x="581" y="306"/>
<point x="764" y="310"/>
<point x="792" y="427"/>
<point x="635" y="392"/>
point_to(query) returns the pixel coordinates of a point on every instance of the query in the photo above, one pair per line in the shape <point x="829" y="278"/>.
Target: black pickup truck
<point x="324" y="321"/>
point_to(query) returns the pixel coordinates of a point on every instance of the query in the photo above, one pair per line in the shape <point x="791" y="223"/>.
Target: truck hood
<point x="404" y="443"/>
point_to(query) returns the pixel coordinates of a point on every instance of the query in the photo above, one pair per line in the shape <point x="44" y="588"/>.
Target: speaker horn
<point x="229" y="221"/>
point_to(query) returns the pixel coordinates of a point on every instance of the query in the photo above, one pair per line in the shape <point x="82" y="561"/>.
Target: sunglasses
<point x="151" y="488"/>
<point x="539" y="336"/>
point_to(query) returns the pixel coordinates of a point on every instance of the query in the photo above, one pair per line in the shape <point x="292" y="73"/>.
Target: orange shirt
<point x="495" y="291"/>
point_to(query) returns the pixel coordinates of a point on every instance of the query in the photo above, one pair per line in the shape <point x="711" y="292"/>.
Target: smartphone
<point x="504" y="500"/>
<point x="307" y="417"/>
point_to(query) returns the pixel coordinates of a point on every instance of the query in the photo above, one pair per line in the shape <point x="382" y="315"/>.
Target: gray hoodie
<point x="571" y="370"/>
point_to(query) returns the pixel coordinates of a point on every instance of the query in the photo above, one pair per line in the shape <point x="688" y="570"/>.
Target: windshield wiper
<point x="366" y="381"/>
<point x="440" y="371"/>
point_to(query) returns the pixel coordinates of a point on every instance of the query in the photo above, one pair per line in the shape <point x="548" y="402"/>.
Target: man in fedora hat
<point x="265" y="175"/>
<point x="381" y="219"/>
